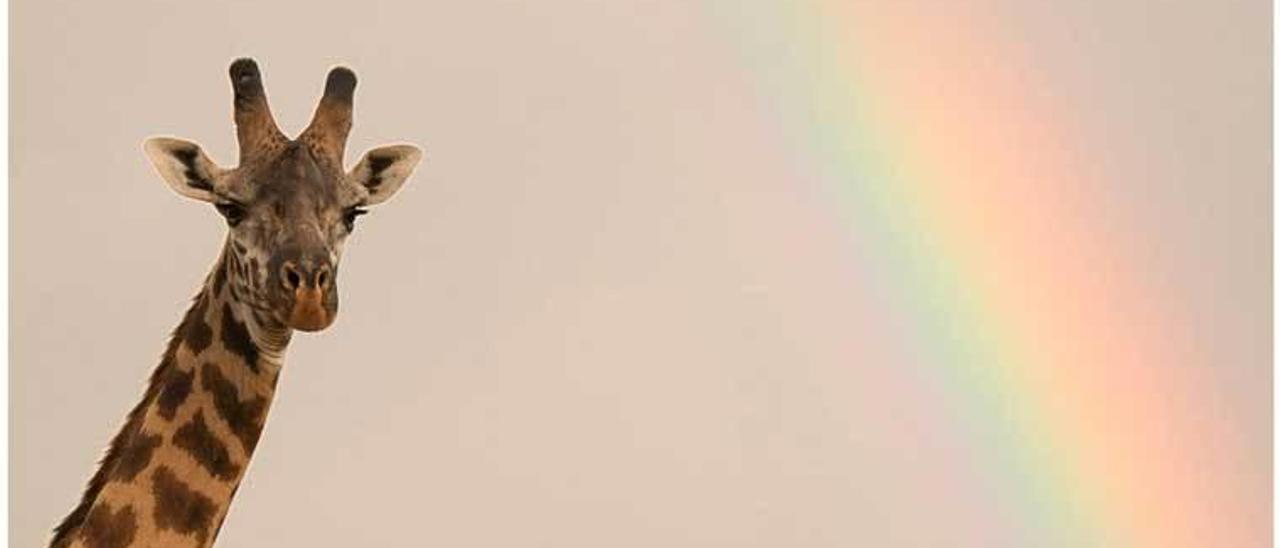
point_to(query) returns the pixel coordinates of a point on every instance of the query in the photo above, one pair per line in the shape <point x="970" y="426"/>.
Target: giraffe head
<point x="289" y="204"/>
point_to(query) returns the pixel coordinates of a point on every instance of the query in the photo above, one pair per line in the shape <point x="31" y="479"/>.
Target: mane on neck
<point x="169" y="474"/>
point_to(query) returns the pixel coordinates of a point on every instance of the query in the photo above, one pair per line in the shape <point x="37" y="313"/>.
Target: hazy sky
<point x="620" y="303"/>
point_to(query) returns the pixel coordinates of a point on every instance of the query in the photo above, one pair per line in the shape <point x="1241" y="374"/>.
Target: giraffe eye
<point x="349" y="217"/>
<point x="233" y="212"/>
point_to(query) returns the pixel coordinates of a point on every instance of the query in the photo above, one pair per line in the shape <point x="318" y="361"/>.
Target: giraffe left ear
<point x="383" y="170"/>
<point x="184" y="166"/>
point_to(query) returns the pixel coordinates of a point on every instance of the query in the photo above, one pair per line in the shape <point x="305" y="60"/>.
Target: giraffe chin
<point x="309" y="319"/>
<point x="309" y="313"/>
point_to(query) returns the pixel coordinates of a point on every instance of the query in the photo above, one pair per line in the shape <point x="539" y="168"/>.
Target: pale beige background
<point x="565" y="330"/>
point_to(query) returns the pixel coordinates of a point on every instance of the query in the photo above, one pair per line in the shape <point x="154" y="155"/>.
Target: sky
<point x="989" y="273"/>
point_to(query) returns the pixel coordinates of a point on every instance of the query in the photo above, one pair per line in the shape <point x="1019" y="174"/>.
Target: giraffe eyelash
<point x="349" y="217"/>
<point x="232" y="211"/>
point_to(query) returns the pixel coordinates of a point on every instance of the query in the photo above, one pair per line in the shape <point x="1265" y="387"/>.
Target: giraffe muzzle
<point x="310" y="310"/>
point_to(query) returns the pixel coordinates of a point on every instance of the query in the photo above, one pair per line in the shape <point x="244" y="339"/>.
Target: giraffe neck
<point x="170" y="473"/>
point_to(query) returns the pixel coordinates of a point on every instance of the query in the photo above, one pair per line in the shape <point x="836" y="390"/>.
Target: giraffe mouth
<point x="309" y="312"/>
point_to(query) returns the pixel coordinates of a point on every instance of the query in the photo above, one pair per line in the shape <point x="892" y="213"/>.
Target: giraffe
<point x="169" y="475"/>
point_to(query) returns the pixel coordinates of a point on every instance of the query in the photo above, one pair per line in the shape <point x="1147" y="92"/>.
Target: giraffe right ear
<point x="184" y="166"/>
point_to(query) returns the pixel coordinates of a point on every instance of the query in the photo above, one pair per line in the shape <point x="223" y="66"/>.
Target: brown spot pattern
<point x="195" y="330"/>
<point x="199" y="442"/>
<point x="235" y="337"/>
<point x="117" y="449"/>
<point x="136" y="456"/>
<point x="180" y="508"/>
<point x="243" y="418"/>
<point x="174" y="393"/>
<point x="104" y="528"/>
<point x="219" y="277"/>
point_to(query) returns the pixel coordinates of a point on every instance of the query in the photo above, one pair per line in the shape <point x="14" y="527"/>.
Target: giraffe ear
<point x="184" y="166"/>
<point x="383" y="170"/>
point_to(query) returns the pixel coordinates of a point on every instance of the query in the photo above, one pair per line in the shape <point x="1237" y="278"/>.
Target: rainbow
<point x="965" y="193"/>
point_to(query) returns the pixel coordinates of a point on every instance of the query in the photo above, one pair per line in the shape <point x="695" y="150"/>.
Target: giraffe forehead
<point x="292" y="182"/>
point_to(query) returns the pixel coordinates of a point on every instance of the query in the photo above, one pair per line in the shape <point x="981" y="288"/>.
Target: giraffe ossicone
<point x="169" y="475"/>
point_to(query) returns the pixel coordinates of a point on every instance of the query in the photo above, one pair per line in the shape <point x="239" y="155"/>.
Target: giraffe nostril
<point x="292" y="279"/>
<point x="322" y="278"/>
